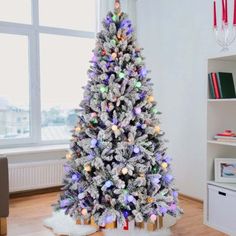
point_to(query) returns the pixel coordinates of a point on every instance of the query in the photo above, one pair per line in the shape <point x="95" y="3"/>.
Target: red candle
<point x="223" y="10"/>
<point x="214" y="12"/>
<point x="226" y="11"/>
<point x="234" y="12"/>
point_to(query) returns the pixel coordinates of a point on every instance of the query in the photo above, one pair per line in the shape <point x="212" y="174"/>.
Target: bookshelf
<point x="221" y="115"/>
<point x="222" y="100"/>
<point x="221" y="143"/>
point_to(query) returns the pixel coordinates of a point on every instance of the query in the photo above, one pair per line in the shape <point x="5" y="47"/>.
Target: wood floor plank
<point x="27" y="214"/>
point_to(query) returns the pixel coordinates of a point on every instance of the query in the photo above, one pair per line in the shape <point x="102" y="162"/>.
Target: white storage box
<point x="222" y="209"/>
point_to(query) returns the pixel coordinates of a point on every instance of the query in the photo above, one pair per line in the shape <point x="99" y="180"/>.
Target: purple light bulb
<point x="155" y="180"/>
<point x="136" y="149"/>
<point x="158" y="156"/>
<point x="175" y="194"/>
<point x="143" y="72"/>
<point x="94" y="59"/>
<point x="168" y="178"/>
<point x="131" y="198"/>
<point x="67" y="169"/>
<point x="137" y="110"/>
<point x="108" y="184"/>
<point x="172" y="207"/>
<point x="108" y="20"/>
<point x="75" y="177"/>
<point x="167" y="159"/>
<point x="109" y="219"/>
<point x="163" y="210"/>
<point x="64" y="203"/>
<point x="93" y="143"/>
<point x="114" y="121"/>
<point x="142" y="95"/>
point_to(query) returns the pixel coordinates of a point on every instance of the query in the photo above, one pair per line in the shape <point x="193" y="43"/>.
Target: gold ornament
<point x="114" y="128"/>
<point x="164" y="165"/>
<point x="84" y="212"/>
<point x="157" y="129"/>
<point x="150" y="200"/>
<point x="124" y="38"/>
<point x="129" y="140"/>
<point x="68" y="156"/>
<point x="87" y="168"/>
<point x="150" y="99"/>
<point x="78" y="129"/>
<point x="114" y="55"/>
<point x="142" y="175"/>
<point x="124" y="171"/>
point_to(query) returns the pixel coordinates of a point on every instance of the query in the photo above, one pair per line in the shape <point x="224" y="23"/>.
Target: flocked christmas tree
<point x="117" y="167"/>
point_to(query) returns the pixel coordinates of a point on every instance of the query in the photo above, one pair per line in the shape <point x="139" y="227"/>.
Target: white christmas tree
<point x="117" y="167"/>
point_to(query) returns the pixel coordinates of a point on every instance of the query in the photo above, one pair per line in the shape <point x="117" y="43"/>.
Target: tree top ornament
<point x="117" y="7"/>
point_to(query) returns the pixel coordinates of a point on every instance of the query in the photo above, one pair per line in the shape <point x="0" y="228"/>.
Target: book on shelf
<point x="215" y="85"/>
<point x="211" y="87"/>
<point x="226" y="136"/>
<point x="225" y="139"/>
<point x="221" y="85"/>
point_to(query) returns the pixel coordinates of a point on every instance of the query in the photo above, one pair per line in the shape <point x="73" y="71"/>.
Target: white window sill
<point x="36" y="149"/>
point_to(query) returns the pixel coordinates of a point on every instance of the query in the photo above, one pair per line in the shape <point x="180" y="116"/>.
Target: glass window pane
<point x="64" y="63"/>
<point x="14" y="99"/>
<point x="72" y="14"/>
<point x="15" y="11"/>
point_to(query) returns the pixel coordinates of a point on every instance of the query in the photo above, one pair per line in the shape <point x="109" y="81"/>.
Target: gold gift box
<point x="92" y="222"/>
<point x="111" y="225"/>
<point x="139" y="225"/>
<point x="153" y="226"/>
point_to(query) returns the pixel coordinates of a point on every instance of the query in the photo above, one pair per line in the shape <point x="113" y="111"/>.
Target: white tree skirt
<point x="65" y="225"/>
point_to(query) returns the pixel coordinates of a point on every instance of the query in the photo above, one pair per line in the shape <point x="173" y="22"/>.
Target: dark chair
<point x="4" y="195"/>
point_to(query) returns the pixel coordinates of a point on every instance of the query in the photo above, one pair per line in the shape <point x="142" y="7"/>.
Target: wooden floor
<point x="27" y="213"/>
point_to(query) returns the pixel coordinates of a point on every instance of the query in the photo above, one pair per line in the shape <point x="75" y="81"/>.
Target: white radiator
<point x="35" y="175"/>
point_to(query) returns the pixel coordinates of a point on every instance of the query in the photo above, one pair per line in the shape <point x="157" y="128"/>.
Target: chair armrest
<point x="4" y="188"/>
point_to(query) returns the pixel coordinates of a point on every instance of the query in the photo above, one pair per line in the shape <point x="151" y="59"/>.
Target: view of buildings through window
<point x="14" y="88"/>
<point x="64" y="51"/>
<point x="62" y="78"/>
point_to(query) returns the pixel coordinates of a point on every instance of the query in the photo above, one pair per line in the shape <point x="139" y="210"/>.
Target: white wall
<point x="177" y="38"/>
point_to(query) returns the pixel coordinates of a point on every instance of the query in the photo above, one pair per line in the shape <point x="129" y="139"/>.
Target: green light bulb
<point x="103" y="89"/>
<point x="121" y="75"/>
<point x="114" y="17"/>
<point x="138" y="84"/>
<point x="154" y="110"/>
<point x="139" y="60"/>
<point x="113" y="42"/>
<point x="94" y="121"/>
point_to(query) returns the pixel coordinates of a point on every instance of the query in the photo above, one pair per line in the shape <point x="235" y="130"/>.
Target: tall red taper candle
<point x="226" y="11"/>
<point x="234" y="22"/>
<point x="214" y="15"/>
<point x="223" y="10"/>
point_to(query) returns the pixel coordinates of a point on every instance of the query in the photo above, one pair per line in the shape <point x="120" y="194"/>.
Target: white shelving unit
<point x="221" y="115"/>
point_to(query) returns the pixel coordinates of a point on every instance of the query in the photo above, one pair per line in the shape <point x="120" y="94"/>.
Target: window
<point x="44" y="61"/>
<point x="61" y="82"/>
<point x="14" y="100"/>
<point x="70" y="14"/>
<point x="15" y="11"/>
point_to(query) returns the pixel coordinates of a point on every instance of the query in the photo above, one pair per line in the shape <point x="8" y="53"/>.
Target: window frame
<point x="33" y="31"/>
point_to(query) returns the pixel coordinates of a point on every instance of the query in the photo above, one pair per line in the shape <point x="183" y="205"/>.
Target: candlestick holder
<point x="225" y="35"/>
